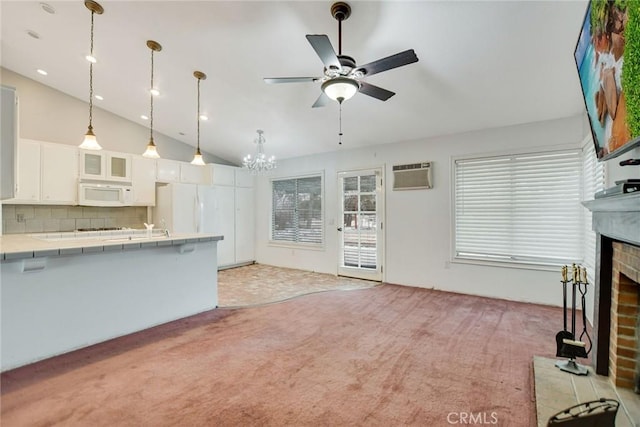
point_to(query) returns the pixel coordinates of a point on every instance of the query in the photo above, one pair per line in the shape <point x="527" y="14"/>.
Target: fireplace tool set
<point x="567" y="344"/>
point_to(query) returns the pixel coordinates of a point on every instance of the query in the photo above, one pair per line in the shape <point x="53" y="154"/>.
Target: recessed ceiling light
<point x="203" y="117"/>
<point x="154" y="92"/>
<point x="143" y="117"/>
<point x="98" y="97"/>
<point x="91" y="59"/>
<point x="48" y="8"/>
<point x="33" y="34"/>
<point x="42" y="72"/>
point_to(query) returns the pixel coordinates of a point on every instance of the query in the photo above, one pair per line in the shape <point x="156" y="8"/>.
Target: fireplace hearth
<point x="616" y="341"/>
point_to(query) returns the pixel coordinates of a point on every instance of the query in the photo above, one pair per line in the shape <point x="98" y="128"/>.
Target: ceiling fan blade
<point x="375" y="91"/>
<point x="390" y="62"/>
<point x="322" y="46"/>
<point x="272" y="80"/>
<point x="322" y="100"/>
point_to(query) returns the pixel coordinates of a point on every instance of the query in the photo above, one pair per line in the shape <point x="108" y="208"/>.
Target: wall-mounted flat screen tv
<point x="608" y="59"/>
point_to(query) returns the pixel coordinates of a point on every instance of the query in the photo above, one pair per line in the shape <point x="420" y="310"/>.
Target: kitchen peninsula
<point x="64" y="291"/>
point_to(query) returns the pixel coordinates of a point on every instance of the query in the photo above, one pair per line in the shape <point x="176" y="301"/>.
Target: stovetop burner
<point x="100" y="229"/>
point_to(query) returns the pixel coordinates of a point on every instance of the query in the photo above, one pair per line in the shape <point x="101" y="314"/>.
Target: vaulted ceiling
<point x="481" y="64"/>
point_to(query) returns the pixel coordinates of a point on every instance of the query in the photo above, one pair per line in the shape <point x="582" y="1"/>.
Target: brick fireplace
<point x="616" y="325"/>
<point x="624" y="354"/>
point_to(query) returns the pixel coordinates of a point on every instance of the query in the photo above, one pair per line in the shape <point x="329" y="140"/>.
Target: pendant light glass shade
<point x="197" y="158"/>
<point x="152" y="152"/>
<point x="90" y="141"/>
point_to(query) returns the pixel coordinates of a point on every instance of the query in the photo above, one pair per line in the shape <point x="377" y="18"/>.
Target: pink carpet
<point x="384" y="356"/>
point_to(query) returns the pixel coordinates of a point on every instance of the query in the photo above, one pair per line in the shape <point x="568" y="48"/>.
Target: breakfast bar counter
<point x="64" y="291"/>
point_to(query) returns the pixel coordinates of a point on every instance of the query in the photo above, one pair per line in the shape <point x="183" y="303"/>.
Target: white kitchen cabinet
<point x="47" y="173"/>
<point x="195" y="174"/>
<point x="59" y="174"/>
<point x="223" y="175"/>
<point x="244" y="178"/>
<point x="224" y="224"/>
<point x="105" y="165"/>
<point x="244" y="226"/>
<point x="167" y="170"/>
<point x="234" y="215"/>
<point x="143" y="181"/>
<point x="27" y="185"/>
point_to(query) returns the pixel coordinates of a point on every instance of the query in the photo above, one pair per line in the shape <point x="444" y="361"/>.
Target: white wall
<point x="47" y="114"/>
<point x="418" y="223"/>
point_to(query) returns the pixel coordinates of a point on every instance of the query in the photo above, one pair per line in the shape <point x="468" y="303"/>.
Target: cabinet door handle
<point x="339" y="228"/>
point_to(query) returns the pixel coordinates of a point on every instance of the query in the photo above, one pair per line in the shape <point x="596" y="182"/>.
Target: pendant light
<point x="151" y="151"/>
<point x="197" y="158"/>
<point x="90" y="142"/>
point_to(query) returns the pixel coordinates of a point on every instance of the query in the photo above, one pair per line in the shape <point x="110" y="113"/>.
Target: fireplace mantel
<point x="617" y="217"/>
<point x="614" y="218"/>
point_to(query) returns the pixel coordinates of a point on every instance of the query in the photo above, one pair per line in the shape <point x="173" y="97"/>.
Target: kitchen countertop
<point x="23" y="246"/>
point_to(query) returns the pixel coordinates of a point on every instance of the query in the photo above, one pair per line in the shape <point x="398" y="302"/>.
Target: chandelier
<point x="259" y="163"/>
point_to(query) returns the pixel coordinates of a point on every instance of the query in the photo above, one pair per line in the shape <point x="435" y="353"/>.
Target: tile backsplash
<point x="40" y="218"/>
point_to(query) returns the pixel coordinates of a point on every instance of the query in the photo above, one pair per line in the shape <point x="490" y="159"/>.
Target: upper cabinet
<point x="244" y="178"/>
<point x="47" y="174"/>
<point x="105" y="165"/>
<point x="143" y="181"/>
<point x="59" y="169"/>
<point x="223" y="175"/>
<point x="167" y="170"/>
<point x="27" y="185"/>
<point x="194" y="174"/>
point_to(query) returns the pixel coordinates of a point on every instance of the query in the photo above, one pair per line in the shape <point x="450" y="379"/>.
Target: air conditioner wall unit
<point x="413" y="176"/>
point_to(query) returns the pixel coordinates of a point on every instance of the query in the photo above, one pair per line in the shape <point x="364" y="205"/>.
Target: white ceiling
<point x="481" y="64"/>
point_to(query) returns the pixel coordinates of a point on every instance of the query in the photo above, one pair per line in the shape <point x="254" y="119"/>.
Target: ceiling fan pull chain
<point x="340" y="134"/>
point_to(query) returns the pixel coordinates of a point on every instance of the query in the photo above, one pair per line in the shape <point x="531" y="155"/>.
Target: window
<point x="296" y="213"/>
<point x="519" y="208"/>
<point x="593" y="173"/>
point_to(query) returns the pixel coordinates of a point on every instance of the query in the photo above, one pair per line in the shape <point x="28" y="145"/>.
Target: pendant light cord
<point x="198" y="150"/>
<point x="340" y="132"/>
<point x="151" y="94"/>
<point x="91" y="77"/>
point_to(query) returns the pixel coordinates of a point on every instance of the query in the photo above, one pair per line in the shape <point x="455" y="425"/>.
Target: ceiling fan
<point x="342" y="77"/>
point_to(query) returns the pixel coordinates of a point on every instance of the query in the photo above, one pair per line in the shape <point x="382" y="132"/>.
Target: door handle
<point x="339" y="228"/>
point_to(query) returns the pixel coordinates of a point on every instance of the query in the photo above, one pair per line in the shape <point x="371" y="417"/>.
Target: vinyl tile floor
<point x="259" y="284"/>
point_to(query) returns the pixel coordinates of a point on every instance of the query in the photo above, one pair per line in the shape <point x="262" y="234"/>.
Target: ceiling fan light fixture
<point x="340" y="88"/>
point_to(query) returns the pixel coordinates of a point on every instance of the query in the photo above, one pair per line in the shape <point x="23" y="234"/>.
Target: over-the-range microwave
<point x="92" y="194"/>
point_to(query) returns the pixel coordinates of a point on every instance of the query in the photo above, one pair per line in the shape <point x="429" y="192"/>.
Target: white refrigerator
<point x="185" y="208"/>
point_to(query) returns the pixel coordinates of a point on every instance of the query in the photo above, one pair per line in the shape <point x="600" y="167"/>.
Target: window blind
<point x="593" y="181"/>
<point x="519" y="208"/>
<point x="297" y="210"/>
